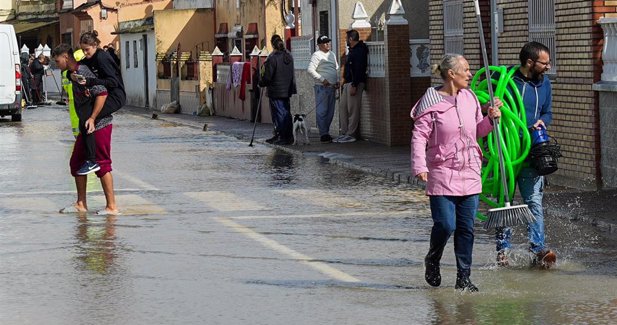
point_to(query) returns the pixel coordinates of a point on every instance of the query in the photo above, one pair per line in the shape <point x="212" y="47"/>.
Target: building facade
<point x="570" y="29"/>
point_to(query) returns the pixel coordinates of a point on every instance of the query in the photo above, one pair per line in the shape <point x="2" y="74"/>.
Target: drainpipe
<point x="334" y="28"/>
<point x="314" y="15"/>
<point x="494" y="33"/>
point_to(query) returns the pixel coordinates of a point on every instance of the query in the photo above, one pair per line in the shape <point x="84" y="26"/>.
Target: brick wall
<point x="373" y="118"/>
<point x="398" y="84"/>
<point x="575" y="105"/>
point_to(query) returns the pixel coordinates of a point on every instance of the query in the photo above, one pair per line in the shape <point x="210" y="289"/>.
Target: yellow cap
<point x="79" y="55"/>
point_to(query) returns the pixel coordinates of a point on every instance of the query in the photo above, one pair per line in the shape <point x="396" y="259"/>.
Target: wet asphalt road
<point x="215" y="232"/>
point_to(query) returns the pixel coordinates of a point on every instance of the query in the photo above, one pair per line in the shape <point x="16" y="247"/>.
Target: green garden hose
<point x="514" y="136"/>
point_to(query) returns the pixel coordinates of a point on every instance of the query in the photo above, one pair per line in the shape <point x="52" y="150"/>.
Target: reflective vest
<point x="68" y="88"/>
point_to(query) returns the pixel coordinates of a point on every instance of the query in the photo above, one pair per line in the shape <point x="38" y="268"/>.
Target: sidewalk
<point x="595" y="208"/>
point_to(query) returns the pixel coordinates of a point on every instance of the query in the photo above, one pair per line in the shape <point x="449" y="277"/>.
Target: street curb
<point x="397" y="177"/>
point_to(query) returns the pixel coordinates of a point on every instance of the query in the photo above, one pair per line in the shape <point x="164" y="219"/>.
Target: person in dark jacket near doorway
<point x="353" y="84"/>
<point x="278" y="77"/>
<point x="112" y="52"/>
<point x="38" y="70"/>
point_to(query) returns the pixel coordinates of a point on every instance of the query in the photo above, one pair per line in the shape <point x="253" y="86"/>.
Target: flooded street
<point x="213" y="231"/>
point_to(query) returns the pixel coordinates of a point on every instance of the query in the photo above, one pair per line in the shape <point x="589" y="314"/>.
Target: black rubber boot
<point x="432" y="274"/>
<point x="464" y="283"/>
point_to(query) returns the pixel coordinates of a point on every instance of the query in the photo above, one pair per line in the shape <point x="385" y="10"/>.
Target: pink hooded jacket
<point x="444" y="144"/>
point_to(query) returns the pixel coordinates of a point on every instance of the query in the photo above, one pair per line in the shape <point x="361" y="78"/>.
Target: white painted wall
<point x="134" y="77"/>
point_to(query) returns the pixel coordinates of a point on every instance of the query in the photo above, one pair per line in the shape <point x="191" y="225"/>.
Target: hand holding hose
<point x="487" y="105"/>
<point x="494" y="113"/>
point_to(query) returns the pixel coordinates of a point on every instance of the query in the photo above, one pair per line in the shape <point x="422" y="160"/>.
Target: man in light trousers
<point x="324" y="69"/>
<point x="353" y="85"/>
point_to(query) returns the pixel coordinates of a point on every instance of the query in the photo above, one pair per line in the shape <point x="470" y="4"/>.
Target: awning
<point x="251" y="31"/>
<point x="222" y="32"/>
<point x="24" y="26"/>
<point x="135" y="26"/>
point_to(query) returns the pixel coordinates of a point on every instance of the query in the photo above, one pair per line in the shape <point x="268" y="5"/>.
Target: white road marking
<point x="128" y="204"/>
<point x="225" y="201"/>
<point x="40" y="204"/>
<point x="272" y="244"/>
<point x="44" y="193"/>
<point x="376" y="214"/>
<point x="136" y="181"/>
<point x="322" y="198"/>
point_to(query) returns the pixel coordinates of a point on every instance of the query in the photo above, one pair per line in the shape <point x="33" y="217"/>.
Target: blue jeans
<point x="324" y="101"/>
<point x="531" y="186"/>
<point x="280" y="110"/>
<point x="453" y="214"/>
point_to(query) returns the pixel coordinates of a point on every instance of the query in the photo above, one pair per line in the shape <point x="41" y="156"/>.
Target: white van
<point x="10" y="74"/>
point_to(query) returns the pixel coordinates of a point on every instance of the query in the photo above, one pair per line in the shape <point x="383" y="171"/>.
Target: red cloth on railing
<point x="246" y="79"/>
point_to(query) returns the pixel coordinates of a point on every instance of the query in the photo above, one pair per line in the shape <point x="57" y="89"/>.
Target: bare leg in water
<point x="81" y="183"/>
<point x="107" y="181"/>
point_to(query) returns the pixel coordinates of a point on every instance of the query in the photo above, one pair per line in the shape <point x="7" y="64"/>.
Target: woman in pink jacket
<point x="446" y="155"/>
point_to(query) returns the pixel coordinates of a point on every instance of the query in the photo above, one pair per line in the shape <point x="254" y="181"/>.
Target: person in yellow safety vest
<point x="68" y="88"/>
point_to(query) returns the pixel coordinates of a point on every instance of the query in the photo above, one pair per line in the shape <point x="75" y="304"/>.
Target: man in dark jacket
<point x="279" y="77"/>
<point x="353" y="84"/>
<point x="38" y="69"/>
<point x="26" y="78"/>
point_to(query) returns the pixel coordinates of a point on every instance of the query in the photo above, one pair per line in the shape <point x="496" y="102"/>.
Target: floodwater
<point x="215" y="232"/>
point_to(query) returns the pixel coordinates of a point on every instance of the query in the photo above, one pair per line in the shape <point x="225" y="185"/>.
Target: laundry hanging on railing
<point x="240" y="76"/>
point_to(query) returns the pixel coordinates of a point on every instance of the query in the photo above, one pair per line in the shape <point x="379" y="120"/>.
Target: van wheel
<point x="16" y="117"/>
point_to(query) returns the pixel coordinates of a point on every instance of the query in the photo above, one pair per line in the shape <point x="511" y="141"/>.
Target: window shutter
<point x="542" y="27"/>
<point x="453" y="26"/>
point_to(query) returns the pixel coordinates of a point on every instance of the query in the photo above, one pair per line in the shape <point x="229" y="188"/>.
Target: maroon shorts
<point x="102" y="138"/>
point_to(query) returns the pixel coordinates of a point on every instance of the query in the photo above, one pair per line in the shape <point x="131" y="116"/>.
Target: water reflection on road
<point x="216" y="232"/>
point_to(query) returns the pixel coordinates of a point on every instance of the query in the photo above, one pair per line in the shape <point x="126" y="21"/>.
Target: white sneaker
<point x="347" y="139"/>
<point x="339" y="138"/>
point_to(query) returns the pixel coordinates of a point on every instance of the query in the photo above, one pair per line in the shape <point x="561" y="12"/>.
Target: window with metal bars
<point x="542" y="27"/>
<point x="453" y="26"/>
<point x="135" y="57"/>
<point x="127" y="54"/>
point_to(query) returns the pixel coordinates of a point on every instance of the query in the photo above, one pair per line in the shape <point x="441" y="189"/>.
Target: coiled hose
<point x="515" y="137"/>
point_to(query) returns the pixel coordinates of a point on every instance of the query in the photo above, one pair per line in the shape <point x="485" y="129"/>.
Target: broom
<point x="508" y="215"/>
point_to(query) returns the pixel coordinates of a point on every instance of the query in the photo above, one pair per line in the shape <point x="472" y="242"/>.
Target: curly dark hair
<point x="90" y="38"/>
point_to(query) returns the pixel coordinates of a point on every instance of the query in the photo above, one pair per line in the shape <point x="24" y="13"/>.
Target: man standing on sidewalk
<point x="353" y="83"/>
<point x="535" y="89"/>
<point x="324" y="69"/>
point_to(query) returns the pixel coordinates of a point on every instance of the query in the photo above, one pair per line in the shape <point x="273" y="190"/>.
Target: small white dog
<point x="300" y="130"/>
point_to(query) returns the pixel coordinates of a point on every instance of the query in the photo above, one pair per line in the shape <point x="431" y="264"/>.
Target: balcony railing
<point x="376" y="59"/>
<point x="222" y="72"/>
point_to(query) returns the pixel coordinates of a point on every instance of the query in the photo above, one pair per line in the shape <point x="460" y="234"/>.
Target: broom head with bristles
<point x="508" y="216"/>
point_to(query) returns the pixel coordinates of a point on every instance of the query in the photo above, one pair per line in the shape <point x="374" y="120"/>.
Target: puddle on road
<point x="177" y="262"/>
